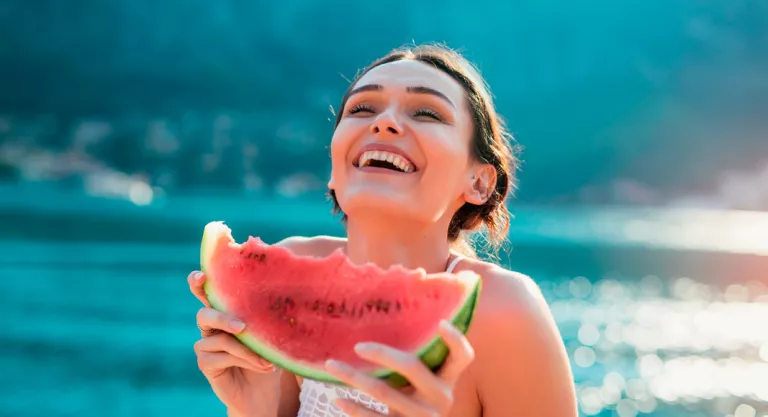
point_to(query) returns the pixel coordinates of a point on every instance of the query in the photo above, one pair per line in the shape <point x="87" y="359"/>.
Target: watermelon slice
<point x="301" y="311"/>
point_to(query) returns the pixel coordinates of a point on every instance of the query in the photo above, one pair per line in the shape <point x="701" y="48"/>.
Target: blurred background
<point x="125" y="126"/>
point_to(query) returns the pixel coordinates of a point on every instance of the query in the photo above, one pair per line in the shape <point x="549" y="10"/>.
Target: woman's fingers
<point x="209" y="320"/>
<point x="378" y="389"/>
<point x="223" y="351"/>
<point x="196" y="280"/>
<point x="214" y="364"/>
<point x="218" y="350"/>
<point x="434" y="393"/>
<point x="429" y="386"/>
<point x="460" y="353"/>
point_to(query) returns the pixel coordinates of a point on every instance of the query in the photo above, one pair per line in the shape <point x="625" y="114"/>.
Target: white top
<point x="317" y="397"/>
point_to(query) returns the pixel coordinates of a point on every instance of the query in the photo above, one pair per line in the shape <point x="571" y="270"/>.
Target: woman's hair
<point x="491" y="144"/>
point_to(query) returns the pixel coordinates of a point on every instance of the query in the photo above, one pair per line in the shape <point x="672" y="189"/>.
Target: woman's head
<point x="417" y="135"/>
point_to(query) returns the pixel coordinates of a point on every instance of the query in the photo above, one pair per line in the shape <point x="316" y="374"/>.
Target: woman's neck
<point x="387" y="242"/>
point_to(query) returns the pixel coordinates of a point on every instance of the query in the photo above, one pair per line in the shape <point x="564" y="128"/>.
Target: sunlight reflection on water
<point x="638" y="345"/>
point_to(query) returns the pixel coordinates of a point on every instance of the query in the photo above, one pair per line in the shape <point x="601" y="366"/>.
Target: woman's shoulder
<point x="503" y="288"/>
<point x="517" y="344"/>
<point x="509" y="300"/>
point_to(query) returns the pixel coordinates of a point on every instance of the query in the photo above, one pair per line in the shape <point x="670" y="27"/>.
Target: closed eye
<point x="429" y="113"/>
<point x="360" y="108"/>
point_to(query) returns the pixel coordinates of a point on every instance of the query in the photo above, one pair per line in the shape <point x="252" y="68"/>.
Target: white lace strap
<point x="453" y="263"/>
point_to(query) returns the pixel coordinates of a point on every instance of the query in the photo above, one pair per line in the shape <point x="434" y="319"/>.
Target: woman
<point x="419" y="159"/>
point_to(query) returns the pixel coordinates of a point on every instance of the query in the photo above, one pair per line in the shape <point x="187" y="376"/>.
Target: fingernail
<point x="236" y="326"/>
<point x="197" y="276"/>
<point x="448" y="327"/>
<point x="363" y="348"/>
<point x="335" y="365"/>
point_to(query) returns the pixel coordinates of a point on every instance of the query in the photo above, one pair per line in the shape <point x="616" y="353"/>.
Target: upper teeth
<point x="390" y="157"/>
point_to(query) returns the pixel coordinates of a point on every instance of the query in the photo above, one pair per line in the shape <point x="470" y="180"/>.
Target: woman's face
<point x="402" y="144"/>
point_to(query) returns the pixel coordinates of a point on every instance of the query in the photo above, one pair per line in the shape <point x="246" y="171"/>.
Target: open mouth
<point x="385" y="160"/>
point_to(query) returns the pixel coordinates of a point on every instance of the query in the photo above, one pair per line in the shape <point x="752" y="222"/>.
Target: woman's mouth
<point x="384" y="160"/>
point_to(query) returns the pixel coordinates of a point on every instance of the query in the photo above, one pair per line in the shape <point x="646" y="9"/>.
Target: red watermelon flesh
<point x="301" y="311"/>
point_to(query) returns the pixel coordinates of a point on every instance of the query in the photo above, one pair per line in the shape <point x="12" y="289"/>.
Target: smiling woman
<point x="419" y="160"/>
<point x="436" y="86"/>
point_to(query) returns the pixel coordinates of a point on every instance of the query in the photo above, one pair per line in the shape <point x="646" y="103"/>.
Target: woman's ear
<point x="480" y="184"/>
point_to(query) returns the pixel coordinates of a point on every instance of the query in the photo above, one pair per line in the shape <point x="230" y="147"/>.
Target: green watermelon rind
<point x="433" y="354"/>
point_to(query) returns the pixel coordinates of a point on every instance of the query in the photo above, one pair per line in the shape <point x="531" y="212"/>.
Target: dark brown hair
<point x="491" y="144"/>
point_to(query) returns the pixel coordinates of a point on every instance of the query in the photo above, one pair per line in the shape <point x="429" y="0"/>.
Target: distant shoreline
<point x="51" y="227"/>
<point x="47" y="212"/>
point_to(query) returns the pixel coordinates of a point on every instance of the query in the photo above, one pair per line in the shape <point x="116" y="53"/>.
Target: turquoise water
<point x="662" y="313"/>
<point x="106" y="329"/>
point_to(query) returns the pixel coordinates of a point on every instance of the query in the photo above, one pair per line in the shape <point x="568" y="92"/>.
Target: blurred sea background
<point x="125" y="126"/>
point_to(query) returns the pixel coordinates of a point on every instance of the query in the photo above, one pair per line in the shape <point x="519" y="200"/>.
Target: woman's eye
<point x="360" y="108"/>
<point x="429" y="113"/>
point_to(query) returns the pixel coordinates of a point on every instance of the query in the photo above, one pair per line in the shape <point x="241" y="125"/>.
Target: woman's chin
<point x="385" y="204"/>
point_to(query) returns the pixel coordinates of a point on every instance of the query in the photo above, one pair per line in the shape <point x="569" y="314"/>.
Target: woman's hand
<point x="432" y="394"/>
<point x="242" y="380"/>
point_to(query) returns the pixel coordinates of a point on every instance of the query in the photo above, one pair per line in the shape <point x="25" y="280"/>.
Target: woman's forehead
<point x="410" y="73"/>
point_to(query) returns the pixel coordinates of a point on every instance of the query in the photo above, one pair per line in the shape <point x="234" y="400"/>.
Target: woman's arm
<point x="522" y="365"/>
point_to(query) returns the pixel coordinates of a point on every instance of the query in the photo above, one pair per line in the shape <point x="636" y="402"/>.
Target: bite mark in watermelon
<point x="301" y="310"/>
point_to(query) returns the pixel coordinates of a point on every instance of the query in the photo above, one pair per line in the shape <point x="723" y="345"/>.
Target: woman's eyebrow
<point x="413" y="90"/>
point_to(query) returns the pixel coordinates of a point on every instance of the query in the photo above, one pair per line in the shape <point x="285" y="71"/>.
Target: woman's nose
<point x="387" y="124"/>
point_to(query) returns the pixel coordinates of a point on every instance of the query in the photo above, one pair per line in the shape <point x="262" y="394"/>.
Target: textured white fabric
<point x="317" y="397"/>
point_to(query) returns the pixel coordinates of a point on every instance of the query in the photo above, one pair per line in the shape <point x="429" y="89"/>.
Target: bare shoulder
<point x="312" y="246"/>
<point x="504" y="290"/>
<point x="521" y="366"/>
<point x="509" y="301"/>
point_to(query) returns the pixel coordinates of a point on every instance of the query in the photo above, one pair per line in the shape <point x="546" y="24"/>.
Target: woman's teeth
<point x="398" y="161"/>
